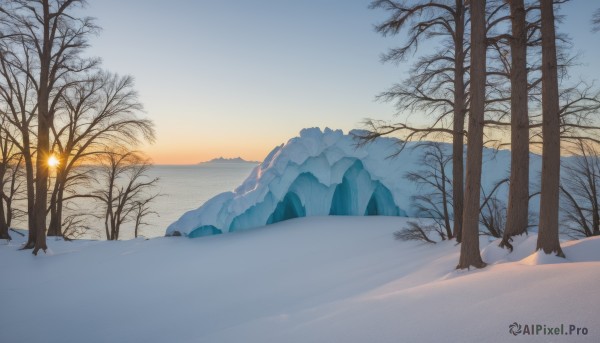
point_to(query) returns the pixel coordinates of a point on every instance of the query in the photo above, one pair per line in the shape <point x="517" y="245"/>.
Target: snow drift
<point x="325" y="173"/>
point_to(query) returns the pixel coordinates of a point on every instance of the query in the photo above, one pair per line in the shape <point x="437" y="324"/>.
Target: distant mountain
<point x="228" y="160"/>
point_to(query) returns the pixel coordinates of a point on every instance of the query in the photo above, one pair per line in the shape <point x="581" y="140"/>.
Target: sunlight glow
<point x="52" y="161"/>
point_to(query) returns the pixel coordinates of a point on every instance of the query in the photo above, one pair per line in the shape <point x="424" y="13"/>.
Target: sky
<point x="239" y="77"/>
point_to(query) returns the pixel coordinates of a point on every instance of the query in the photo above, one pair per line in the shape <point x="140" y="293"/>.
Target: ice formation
<point x="323" y="173"/>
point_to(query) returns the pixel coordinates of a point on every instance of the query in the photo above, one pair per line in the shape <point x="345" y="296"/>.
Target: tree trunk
<point x="594" y="202"/>
<point x="137" y="225"/>
<point x="31" y="238"/>
<point x="3" y="224"/>
<point x="52" y="211"/>
<point x="117" y="225"/>
<point x="54" y="228"/>
<point x="459" y="121"/>
<point x="41" y="182"/>
<point x="549" y="198"/>
<point x="444" y="203"/>
<point x="518" y="194"/>
<point x="3" y="216"/>
<point x="43" y="143"/>
<point x="594" y="198"/>
<point x="469" y="250"/>
<point x="106" y="228"/>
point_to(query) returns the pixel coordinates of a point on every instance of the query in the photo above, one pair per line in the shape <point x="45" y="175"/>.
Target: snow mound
<point x="523" y="245"/>
<point x="586" y="250"/>
<point x="324" y="173"/>
<point x="540" y="257"/>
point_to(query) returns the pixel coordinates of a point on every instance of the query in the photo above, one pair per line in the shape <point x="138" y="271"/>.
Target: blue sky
<point x="235" y="78"/>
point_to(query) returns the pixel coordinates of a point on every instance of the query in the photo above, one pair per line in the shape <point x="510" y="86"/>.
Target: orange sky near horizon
<point x="251" y="145"/>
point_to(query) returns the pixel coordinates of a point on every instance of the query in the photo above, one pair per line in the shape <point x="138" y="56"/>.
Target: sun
<point x="52" y="161"/>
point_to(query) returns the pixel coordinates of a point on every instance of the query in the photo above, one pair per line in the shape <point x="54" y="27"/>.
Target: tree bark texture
<point x="469" y="251"/>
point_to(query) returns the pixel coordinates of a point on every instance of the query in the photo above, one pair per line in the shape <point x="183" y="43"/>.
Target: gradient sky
<point x="236" y="78"/>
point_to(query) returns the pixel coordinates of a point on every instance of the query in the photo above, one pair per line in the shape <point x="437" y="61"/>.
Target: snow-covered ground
<point x="319" y="279"/>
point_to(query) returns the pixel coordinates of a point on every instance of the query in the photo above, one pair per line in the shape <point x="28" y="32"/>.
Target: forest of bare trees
<point x="61" y="113"/>
<point x="503" y="67"/>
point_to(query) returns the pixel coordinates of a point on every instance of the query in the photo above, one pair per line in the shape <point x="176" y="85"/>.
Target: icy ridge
<point x="324" y="173"/>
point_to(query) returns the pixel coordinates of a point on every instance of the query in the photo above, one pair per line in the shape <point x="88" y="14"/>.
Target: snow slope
<point x="320" y="279"/>
<point x="324" y="173"/>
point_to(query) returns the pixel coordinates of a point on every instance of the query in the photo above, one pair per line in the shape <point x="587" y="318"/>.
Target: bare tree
<point x="493" y="217"/>
<point x="141" y="210"/>
<point x="11" y="163"/>
<point x="54" y="37"/>
<point x="518" y="195"/>
<point x="124" y="186"/>
<point x="417" y="231"/>
<point x="596" y="21"/>
<point x="549" y="197"/>
<point x="76" y="226"/>
<point x="492" y="212"/>
<point x="19" y="101"/>
<point x="580" y="187"/>
<point x="98" y="112"/>
<point x="469" y="250"/>
<point x="437" y="84"/>
<point x="434" y="198"/>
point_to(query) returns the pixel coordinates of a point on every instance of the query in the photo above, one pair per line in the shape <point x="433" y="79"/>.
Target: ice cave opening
<point x="205" y="230"/>
<point x="382" y="203"/>
<point x="357" y="185"/>
<point x="288" y="208"/>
